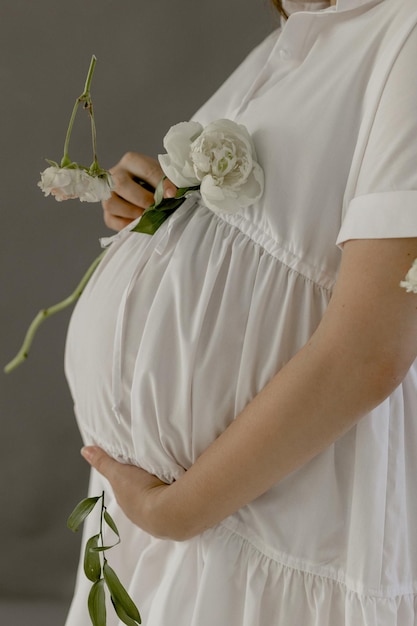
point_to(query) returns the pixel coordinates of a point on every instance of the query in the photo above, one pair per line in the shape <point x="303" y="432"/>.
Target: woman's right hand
<point x="129" y="199"/>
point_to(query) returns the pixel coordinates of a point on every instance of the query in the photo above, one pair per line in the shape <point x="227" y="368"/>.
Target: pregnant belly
<point x="167" y="345"/>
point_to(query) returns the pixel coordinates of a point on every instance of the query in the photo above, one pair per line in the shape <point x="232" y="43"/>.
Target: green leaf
<point x="119" y="594"/>
<point x="159" y="192"/>
<point x="181" y="191"/>
<point x="92" y="564"/>
<point x="123" y="616"/>
<point x="111" y="523"/>
<point x="104" y="548"/>
<point x="151" y="221"/>
<point x="97" y="604"/>
<point x="80" y="512"/>
<point x="153" y="217"/>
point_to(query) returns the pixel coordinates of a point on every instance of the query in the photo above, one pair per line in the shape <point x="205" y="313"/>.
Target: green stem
<point x="89" y="105"/>
<point x="90" y="75"/>
<point x="95" y="165"/>
<point x="66" y="159"/>
<point x="101" y="518"/>
<point x="85" y="97"/>
<point x="101" y="524"/>
<point x="23" y="353"/>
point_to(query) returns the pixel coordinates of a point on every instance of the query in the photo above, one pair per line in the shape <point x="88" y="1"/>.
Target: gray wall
<point x="158" y="60"/>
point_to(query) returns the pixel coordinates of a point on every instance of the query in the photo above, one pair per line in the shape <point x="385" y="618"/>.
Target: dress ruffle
<point x="223" y="577"/>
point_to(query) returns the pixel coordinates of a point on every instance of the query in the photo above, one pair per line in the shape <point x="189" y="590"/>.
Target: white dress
<point x="176" y="333"/>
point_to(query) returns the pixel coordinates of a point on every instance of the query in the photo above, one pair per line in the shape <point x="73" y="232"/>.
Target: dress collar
<point x="292" y="6"/>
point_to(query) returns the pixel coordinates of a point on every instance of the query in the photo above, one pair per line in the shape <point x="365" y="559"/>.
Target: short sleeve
<point x="385" y="199"/>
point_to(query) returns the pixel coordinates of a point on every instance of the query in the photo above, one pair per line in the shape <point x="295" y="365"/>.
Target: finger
<point x="126" y="188"/>
<point x="101" y="461"/>
<point x="147" y="169"/>
<point x="116" y="223"/>
<point x="169" y="189"/>
<point x="142" y="167"/>
<point x="119" y="207"/>
<point x="118" y="213"/>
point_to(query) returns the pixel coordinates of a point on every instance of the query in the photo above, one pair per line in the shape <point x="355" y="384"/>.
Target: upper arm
<point x="370" y="316"/>
<point x="379" y="230"/>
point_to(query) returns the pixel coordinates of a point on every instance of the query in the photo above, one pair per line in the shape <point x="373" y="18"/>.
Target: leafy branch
<point x="99" y="572"/>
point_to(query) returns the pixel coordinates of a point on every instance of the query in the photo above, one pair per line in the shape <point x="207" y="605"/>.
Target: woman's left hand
<point x="136" y="491"/>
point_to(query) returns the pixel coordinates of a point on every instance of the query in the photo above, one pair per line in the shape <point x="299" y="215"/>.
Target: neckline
<point x="295" y="6"/>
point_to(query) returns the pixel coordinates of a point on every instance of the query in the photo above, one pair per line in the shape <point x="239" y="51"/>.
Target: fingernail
<point x="170" y="193"/>
<point x="88" y="453"/>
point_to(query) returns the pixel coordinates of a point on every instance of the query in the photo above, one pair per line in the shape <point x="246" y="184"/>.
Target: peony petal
<point x="252" y="189"/>
<point x="178" y="139"/>
<point x="232" y="128"/>
<point x="181" y="177"/>
<point x="176" y="164"/>
<point x="218" y="199"/>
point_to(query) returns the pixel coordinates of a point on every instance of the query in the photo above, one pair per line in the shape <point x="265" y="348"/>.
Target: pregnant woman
<point x="244" y="380"/>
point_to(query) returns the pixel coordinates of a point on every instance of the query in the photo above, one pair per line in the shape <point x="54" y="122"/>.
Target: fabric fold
<point x="382" y="215"/>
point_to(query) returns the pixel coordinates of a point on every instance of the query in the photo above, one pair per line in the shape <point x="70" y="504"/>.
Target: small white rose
<point x="98" y="188"/>
<point x="220" y="158"/>
<point x="410" y="282"/>
<point x="66" y="183"/>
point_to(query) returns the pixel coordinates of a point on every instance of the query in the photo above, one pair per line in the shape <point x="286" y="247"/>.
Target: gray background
<point x="158" y="60"/>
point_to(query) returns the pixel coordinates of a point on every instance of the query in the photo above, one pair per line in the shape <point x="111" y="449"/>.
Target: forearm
<point x="303" y="410"/>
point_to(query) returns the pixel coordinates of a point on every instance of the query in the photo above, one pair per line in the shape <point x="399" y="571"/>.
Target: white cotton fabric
<point x="176" y="333"/>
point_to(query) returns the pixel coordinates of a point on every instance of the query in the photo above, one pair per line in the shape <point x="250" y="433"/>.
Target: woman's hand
<point x="129" y="198"/>
<point x="137" y="492"/>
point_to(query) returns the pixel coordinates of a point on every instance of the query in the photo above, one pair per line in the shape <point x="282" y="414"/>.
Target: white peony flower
<point x="219" y="158"/>
<point x="410" y="282"/>
<point x="66" y="183"/>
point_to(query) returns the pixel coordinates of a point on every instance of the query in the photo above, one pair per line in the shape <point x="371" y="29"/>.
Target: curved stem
<point x="66" y="159"/>
<point x="23" y="353"/>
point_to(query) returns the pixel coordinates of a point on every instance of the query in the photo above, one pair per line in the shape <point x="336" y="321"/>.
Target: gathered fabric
<point x="309" y="537"/>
